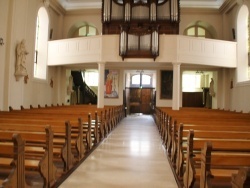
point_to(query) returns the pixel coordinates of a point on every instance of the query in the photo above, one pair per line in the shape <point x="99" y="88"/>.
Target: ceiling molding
<point x="213" y="4"/>
<point x="199" y="11"/>
<point x="97" y="4"/>
<point x="227" y="6"/>
<point x="84" y="11"/>
<point x="56" y="6"/>
<point x="81" y="4"/>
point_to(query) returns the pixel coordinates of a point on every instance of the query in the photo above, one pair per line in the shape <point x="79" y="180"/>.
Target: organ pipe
<point x="155" y="44"/>
<point x="106" y="11"/>
<point x="123" y="43"/>
<point x="127" y="12"/>
<point x="153" y="12"/>
<point x="174" y="10"/>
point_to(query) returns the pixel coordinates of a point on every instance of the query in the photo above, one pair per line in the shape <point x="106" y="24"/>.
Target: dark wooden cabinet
<point x="192" y="99"/>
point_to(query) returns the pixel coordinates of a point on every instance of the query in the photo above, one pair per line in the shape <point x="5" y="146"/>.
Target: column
<point x="101" y="71"/>
<point x="176" y="86"/>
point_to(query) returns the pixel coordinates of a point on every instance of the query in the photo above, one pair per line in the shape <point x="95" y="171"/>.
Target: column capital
<point x="176" y="63"/>
<point x="101" y="62"/>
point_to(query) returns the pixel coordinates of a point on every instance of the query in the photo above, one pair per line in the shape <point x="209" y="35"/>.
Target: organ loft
<point x="139" y="24"/>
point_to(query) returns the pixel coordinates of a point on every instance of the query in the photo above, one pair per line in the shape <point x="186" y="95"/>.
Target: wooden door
<point x="140" y="100"/>
<point x="146" y="97"/>
<point x="135" y="100"/>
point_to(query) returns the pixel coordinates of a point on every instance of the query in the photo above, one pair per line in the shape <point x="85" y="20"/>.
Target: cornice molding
<point x="57" y="7"/>
<point x="227" y="6"/>
<point x="84" y="11"/>
<point x="81" y="5"/>
<point x="199" y="11"/>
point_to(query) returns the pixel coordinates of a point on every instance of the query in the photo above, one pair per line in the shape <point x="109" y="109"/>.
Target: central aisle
<point x="131" y="156"/>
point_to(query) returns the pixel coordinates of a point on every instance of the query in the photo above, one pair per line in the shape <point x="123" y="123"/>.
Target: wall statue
<point x="20" y="67"/>
<point x="211" y="88"/>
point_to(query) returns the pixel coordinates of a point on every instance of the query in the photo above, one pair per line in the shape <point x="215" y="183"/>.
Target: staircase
<point x="83" y="90"/>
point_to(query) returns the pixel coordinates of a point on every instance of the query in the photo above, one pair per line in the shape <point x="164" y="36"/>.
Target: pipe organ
<point x="139" y="24"/>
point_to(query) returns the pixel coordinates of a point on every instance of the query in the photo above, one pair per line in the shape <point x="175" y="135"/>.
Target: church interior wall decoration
<point x="166" y="84"/>
<point x="111" y="84"/>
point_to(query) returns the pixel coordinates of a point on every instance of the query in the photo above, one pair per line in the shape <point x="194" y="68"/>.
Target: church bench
<point x="75" y="111"/>
<point x="203" y="114"/>
<point x="241" y="178"/>
<point x="117" y="112"/>
<point x="13" y="150"/>
<point x="208" y="120"/>
<point x="164" y="122"/>
<point x="105" y="123"/>
<point x="56" y="122"/>
<point x="174" y="132"/>
<point x="38" y="152"/>
<point x="212" y="161"/>
<point x="63" y="139"/>
<point x="223" y="132"/>
<point x="229" y="156"/>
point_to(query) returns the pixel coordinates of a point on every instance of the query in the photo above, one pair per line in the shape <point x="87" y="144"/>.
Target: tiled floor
<point x="132" y="156"/>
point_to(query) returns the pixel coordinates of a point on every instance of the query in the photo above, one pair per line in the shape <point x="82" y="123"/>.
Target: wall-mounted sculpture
<point x="20" y="67"/>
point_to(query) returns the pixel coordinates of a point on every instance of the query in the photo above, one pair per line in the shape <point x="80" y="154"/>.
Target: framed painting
<point x="166" y="84"/>
<point x="111" y="84"/>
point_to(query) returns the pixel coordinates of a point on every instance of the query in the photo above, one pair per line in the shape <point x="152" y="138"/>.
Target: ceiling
<point x="88" y="4"/>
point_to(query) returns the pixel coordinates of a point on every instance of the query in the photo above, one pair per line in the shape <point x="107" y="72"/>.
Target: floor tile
<point x="131" y="156"/>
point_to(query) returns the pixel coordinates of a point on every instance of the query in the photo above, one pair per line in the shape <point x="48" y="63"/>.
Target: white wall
<point x="17" y="18"/>
<point x="18" y="22"/>
<point x="4" y="7"/>
<point x="238" y="96"/>
<point x="210" y="16"/>
<point x="72" y="18"/>
<point x="173" y="48"/>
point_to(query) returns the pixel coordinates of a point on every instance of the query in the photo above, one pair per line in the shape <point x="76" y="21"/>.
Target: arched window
<point x="200" y="28"/>
<point x="248" y="47"/>
<point x="41" y="44"/>
<point x="86" y="30"/>
<point x="197" y="31"/>
<point x="141" y="80"/>
<point x="242" y="37"/>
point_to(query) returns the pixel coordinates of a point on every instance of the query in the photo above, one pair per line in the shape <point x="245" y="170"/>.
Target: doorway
<point x="140" y="91"/>
<point x="140" y="100"/>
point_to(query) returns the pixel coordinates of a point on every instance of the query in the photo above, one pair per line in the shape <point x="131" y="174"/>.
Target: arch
<point x="242" y="41"/>
<point x="41" y="44"/>
<point x="74" y="28"/>
<point x="208" y="27"/>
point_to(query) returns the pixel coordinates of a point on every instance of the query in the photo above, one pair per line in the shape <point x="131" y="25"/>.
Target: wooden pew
<point x="172" y="142"/>
<point x="12" y="151"/>
<point x="62" y="137"/>
<point x="177" y="152"/>
<point x="38" y="150"/>
<point x="79" y="111"/>
<point x="242" y="178"/>
<point x="229" y="156"/>
<point x="95" y="130"/>
<point x="67" y="112"/>
<point x="202" y="120"/>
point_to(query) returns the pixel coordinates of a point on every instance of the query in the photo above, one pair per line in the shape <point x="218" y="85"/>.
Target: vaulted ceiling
<point x="87" y="4"/>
